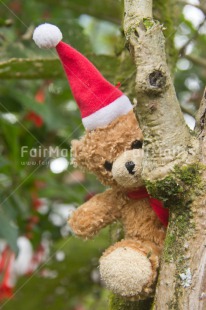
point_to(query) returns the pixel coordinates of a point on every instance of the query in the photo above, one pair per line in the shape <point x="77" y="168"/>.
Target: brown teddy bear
<point x="112" y="149"/>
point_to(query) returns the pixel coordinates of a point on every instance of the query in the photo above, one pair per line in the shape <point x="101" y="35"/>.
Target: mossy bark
<point x="203" y="4"/>
<point x="181" y="282"/>
<point x="173" y="167"/>
<point x="184" y="254"/>
<point x="119" y="303"/>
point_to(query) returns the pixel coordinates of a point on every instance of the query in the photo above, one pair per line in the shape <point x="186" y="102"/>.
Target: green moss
<point x="178" y="190"/>
<point x="129" y="32"/>
<point x="167" y="190"/>
<point x="169" y="244"/>
<point x="174" y="189"/>
<point x="148" y="23"/>
<point x="180" y="226"/>
<point x="119" y="303"/>
<point x="190" y="175"/>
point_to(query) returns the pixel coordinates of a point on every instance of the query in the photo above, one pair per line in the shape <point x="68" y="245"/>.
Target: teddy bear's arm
<point x="95" y="214"/>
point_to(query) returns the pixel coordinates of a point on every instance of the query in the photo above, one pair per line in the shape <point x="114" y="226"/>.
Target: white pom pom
<point x="47" y="36"/>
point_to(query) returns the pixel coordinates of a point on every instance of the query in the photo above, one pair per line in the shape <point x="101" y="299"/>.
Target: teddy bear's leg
<point x="129" y="268"/>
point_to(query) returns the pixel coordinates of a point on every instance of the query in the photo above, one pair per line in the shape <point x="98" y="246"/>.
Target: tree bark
<point x="158" y="109"/>
<point x="203" y="5"/>
<point x="185" y="248"/>
<point x="173" y="167"/>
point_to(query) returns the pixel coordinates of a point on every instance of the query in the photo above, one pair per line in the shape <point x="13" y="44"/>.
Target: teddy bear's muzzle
<point x="127" y="168"/>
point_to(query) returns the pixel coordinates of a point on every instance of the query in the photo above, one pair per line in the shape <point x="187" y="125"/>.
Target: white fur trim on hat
<point x="107" y="114"/>
<point x="47" y="36"/>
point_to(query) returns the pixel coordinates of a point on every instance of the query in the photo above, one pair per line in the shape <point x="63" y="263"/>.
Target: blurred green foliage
<point x="69" y="283"/>
<point x="37" y="110"/>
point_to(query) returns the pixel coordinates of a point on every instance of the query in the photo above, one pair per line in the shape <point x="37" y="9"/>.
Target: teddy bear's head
<point x="113" y="153"/>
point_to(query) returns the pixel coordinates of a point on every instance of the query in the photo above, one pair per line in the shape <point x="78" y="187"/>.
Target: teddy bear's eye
<point x="108" y="165"/>
<point x="137" y="144"/>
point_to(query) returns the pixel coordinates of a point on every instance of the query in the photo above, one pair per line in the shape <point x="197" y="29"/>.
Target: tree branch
<point x="171" y="168"/>
<point x="203" y="6"/>
<point x="197" y="61"/>
<point x="158" y="109"/>
<point x="201" y="126"/>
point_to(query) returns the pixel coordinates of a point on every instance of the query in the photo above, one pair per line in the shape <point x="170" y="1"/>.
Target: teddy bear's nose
<point x="130" y="167"/>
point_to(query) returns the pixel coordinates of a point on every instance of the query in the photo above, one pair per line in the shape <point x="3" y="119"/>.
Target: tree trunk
<point x="173" y="167"/>
<point x="182" y="280"/>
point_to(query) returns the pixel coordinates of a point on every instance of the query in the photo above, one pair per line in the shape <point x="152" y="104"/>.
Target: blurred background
<point x="41" y="264"/>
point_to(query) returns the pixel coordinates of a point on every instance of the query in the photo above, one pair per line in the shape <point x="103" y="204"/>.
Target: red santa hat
<point x="98" y="100"/>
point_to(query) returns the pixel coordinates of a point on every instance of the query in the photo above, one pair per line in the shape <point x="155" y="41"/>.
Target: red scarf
<point x="157" y="206"/>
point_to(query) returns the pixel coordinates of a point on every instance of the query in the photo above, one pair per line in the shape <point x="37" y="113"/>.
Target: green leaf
<point x="72" y="275"/>
<point x="8" y="231"/>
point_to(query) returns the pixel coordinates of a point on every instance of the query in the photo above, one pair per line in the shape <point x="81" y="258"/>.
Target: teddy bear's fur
<point x="129" y="267"/>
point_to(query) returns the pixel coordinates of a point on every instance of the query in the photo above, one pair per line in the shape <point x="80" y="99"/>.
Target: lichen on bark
<point x="176" y="188"/>
<point x="171" y="167"/>
<point x="178" y="191"/>
<point x="119" y="303"/>
<point x="181" y="283"/>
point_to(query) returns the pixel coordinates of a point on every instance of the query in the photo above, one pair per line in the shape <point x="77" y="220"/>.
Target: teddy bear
<point x="112" y="149"/>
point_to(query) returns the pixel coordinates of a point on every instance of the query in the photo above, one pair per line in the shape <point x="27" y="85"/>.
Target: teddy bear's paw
<point x="126" y="271"/>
